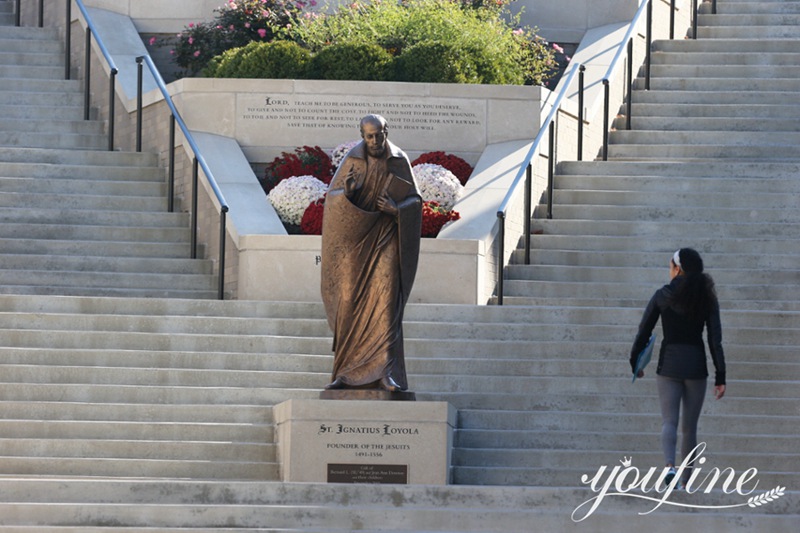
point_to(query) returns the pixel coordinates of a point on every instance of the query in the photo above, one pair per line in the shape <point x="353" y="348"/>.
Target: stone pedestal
<point x="363" y="441"/>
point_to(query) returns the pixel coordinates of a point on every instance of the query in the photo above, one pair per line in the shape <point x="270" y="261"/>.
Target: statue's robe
<point x="369" y="261"/>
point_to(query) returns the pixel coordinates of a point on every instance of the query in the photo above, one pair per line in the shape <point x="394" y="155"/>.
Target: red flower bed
<point x="434" y="217"/>
<point x="305" y="161"/>
<point x="311" y="224"/>
<point x="460" y="168"/>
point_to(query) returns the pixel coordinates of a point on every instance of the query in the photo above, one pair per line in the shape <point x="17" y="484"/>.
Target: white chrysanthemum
<point x="437" y="184"/>
<point x="292" y="196"/>
<point x="338" y="153"/>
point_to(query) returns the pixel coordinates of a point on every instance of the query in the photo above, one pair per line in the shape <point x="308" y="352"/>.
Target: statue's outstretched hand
<point x="351" y="183"/>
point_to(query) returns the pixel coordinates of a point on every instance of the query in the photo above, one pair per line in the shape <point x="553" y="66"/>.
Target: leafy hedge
<point x="455" y="41"/>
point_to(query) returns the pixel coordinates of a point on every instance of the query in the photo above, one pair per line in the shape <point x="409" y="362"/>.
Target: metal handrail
<point x="526" y="169"/>
<point x="645" y="7"/>
<point x="90" y="29"/>
<point x="198" y="160"/>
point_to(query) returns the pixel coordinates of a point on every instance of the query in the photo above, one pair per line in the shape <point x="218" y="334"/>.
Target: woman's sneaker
<point x="670" y="475"/>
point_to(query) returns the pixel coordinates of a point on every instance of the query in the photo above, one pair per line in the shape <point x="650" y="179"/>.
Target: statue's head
<point x="374" y="132"/>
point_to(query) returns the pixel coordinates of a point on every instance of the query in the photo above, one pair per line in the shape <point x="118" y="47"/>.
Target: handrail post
<point x="501" y="236"/>
<point x="629" y="83"/>
<point x="171" y="181"/>
<point x="694" y="19"/>
<point x="606" y="105"/>
<point x="222" y="219"/>
<point x="671" y="19"/>
<point x="41" y="13"/>
<point x="139" y="76"/>
<point x="527" y="222"/>
<point x="87" y="76"/>
<point x="580" y="111"/>
<point x="67" y="40"/>
<point x="649" y="44"/>
<point x="112" y="101"/>
<point x="194" y="208"/>
<point x="17" y="14"/>
<point x="550" y="160"/>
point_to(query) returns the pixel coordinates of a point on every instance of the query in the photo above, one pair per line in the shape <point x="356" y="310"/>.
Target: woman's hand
<point x="719" y="391"/>
<point x="640" y="374"/>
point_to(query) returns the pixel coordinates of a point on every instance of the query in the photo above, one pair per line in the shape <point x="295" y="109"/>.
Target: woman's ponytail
<point x="695" y="295"/>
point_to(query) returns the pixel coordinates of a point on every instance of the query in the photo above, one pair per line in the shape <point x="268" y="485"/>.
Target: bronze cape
<point x="369" y="261"/>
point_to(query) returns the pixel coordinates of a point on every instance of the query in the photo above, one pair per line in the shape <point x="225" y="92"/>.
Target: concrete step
<point x="686" y="152"/>
<point x="93" y="217"/>
<point x="64" y="94"/>
<point x="748" y="85"/>
<point x="753" y="20"/>
<point x="630" y="291"/>
<point x="31" y="72"/>
<point x="65" y="112"/>
<point x="774" y="112"/>
<point x="678" y="169"/>
<point x="105" y="263"/>
<point x="734" y="72"/>
<point x="749" y="8"/>
<point x="726" y="124"/>
<point x="138" y="468"/>
<point x="673" y="184"/>
<point x="54" y="140"/>
<point x="28" y="33"/>
<point x="658" y="259"/>
<point x="101" y="280"/>
<point x="50" y="449"/>
<point x="151" y="249"/>
<point x="45" y="124"/>
<point x="175" y="233"/>
<point x="744" y="43"/>
<point x="53" y="171"/>
<point x="726" y="197"/>
<point x="55" y="156"/>
<point x="675" y="95"/>
<point x="788" y="31"/>
<point x="84" y="202"/>
<point x="644" y="213"/>
<point x="85" y="187"/>
<point x="731" y="138"/>
<point x="29" y="57"/>
<point x="724" y="58"/>
<point x="38" y="90"/>
<point x="17" y="44"/>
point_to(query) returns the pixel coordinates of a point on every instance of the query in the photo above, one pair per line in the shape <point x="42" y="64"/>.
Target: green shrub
<point x="436" y="62"/>
<point x="352" y="61"/>
<point x="499" y="52"/>
<point x="277" y="60"/>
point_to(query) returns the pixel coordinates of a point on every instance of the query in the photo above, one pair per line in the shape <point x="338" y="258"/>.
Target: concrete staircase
<point x="75" y="219"/>
<point x="120" y="413"/>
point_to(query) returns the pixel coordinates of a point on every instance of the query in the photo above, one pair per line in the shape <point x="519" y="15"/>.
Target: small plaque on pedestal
<point x="364" y="441"/>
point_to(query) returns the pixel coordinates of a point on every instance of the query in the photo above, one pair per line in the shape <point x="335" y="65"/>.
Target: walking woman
<point x="687" y="305"/>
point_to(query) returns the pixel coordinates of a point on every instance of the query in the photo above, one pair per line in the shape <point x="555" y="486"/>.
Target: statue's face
<point x="375" y="138"/>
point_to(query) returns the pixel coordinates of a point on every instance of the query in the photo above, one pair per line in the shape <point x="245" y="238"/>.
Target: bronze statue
<point x="370" y="248"/>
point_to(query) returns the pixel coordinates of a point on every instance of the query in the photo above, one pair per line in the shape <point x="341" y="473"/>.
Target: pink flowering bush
<point x="238" y="22"/>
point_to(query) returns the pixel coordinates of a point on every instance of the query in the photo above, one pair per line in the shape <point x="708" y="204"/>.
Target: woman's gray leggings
<point x="670" y="392"/>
